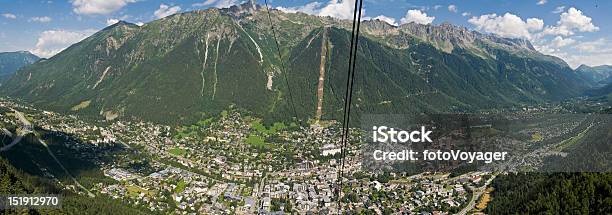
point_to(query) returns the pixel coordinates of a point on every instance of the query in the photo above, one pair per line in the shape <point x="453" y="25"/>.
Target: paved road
<point x="16" y="140"/>
<point x="26" y="128"/>
<point x="475" y="196"/>
<point x="26" y="124"/>
<point x="7" y="132"/>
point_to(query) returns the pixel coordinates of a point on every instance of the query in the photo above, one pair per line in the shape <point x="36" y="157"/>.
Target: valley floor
<point x="233" y="164"/>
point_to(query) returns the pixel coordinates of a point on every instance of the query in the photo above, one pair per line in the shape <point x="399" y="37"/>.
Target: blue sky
<point x="577" y="31"/>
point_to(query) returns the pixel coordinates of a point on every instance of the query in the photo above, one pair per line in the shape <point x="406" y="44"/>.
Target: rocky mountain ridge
<point x="189" y="65"/>
<point x="10" y="62"/>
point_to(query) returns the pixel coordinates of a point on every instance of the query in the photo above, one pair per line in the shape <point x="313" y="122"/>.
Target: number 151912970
<point x="30" y="201"/>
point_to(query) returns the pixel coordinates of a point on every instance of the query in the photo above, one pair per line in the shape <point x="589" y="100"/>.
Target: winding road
<point x="475" y="196"/>
<point x="26" y="128"/>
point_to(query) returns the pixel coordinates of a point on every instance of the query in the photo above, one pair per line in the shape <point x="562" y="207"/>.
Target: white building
<point x="329" y="149"/>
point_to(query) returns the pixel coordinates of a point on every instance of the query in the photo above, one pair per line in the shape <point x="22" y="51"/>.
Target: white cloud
<point x="559" y="42"/>
<point x="571" y="21"/>
<point x="552" y="40"/>
<point x="165" y="10"/>
<point x="92" y="7"/>
<point x="53" y="41"/>
<point x="575" y="53"/>
<point x="589" y="59"/>
<point x="205" y="3"/>
<point x="387" y="19"/>
<point x="596" y="46"/>
<point x="452" y="8"/>
<point x="466" y="14"/>
<point x="41" y="19"/>
<point x="418" y="17"/>
<point x="508" y="25"/>
<point x="592" y="53"/>
<point x="535" y="24"/>
<point x="110" y="22"/>
<point x="436" y="7"/>
<point x="9" y="16"/>
<point x="541" y="2"/>
<point x="342" y="9"/>
<point x="226" y="3"/>
<point x="139" y="23"/>
<point x="310" y="8"/>
<point x="217" y="3"/>
<point x="559" y="9"/>
<point x="546" y="49"/>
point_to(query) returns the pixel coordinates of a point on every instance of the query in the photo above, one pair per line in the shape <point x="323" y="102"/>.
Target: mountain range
<point x="185" y="66"/>
<point x="10" y="62"/>
<point x="597" y="75"/>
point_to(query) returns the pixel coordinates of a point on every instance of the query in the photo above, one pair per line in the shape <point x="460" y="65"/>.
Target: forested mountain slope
<point x="176" y="69"/>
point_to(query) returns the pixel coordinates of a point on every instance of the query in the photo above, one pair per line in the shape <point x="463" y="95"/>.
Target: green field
<point x="135" y="191"/>
<point x="256" y="141"/>
<point x="572" y="140"/>
<point x="180" y="186"/>
<point x="178" y="151"/>
<point x="259" y="127"/>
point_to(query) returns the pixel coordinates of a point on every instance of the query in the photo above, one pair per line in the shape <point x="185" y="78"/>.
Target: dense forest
<point x="551" y="193"/>
<point x="14" y="181"/>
